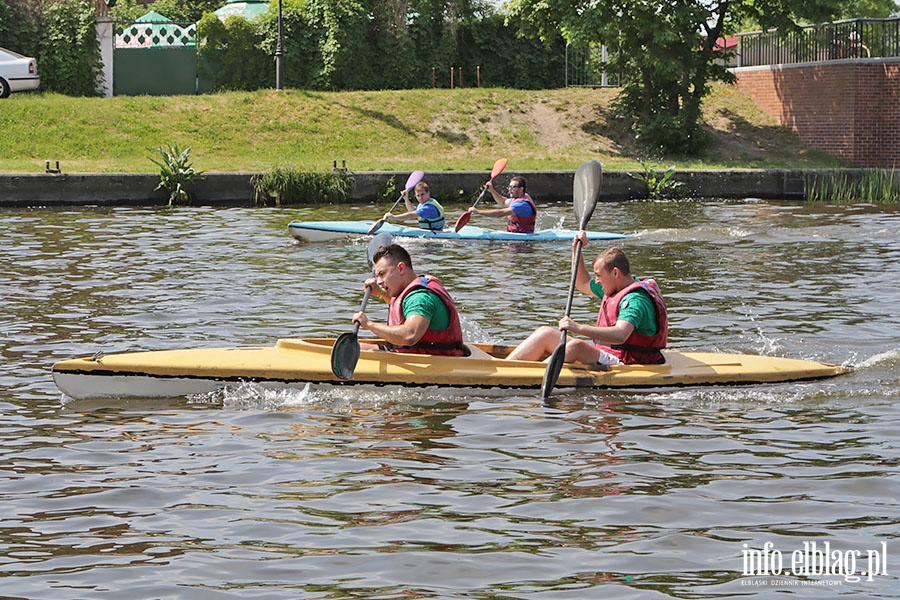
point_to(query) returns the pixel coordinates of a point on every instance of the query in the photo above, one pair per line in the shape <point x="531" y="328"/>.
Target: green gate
<point x="156" y="57"/>
<point x="155" y="71"/>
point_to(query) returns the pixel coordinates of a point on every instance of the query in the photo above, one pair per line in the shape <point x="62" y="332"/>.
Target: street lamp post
<point x="279" y="54"/>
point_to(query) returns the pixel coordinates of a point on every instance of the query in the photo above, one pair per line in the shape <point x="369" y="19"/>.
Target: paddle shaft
<point x="414" y="178"/>
<point x="483" y="193"/>
<point x="463" y="219"/>
<point x="586" y="191"/>
<point x="362" y="308"/>
<point x="576" y="260"/>
<point x="378" y="224"/>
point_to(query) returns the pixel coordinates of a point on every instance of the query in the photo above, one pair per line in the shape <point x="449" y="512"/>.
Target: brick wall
<point x="850" y="108"/>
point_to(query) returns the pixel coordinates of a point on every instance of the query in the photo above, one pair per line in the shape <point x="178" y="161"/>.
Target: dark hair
<point x="521" y="181"/>
<point x="613" y="257"/>
<point x="395" y="252"/>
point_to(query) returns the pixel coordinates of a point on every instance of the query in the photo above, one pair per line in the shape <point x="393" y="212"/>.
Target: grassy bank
<point x="392" y="130"/>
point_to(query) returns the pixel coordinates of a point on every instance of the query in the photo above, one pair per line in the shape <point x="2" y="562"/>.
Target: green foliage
<point x="389" y="192"/>
<point x="373" y="45"/>
<point x="287" y="185"/>
<point x="127" y="11"/>
<point x="69" y="55"/>
<point x="184" y="12"/>
<point x="665" y="52"/>
<point x="659" y="186"/>
<point x="232" y="57"/>
<point x="302" y="57"/>
<point x="176" y="173"/>
<point x="877" y="186"/>
<point x="21" y="25"/>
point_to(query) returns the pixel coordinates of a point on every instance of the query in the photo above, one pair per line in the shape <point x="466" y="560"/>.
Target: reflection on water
<point x="253" y="493"/>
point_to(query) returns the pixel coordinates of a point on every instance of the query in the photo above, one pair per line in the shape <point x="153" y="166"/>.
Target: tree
<point x="666" y="51"/>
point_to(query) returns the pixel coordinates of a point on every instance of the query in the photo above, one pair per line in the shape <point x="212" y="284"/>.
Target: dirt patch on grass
<point x="578" y="120"/>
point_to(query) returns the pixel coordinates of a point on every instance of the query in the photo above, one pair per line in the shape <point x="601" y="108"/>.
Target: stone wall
<point x="849" y="108"/>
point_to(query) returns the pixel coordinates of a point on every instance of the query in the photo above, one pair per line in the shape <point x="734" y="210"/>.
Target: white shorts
<point x="607" y="359"/>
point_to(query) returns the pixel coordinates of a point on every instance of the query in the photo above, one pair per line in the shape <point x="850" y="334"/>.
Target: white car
<point x="17" y="73"/>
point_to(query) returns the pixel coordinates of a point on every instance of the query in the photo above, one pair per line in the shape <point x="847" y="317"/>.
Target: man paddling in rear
<point x="422" y="318"/>
<point x="632" y="326"/>
<point x="519" y="208"/>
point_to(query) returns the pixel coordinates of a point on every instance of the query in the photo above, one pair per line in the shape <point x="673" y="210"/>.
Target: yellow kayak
<point x="295" y="363"/>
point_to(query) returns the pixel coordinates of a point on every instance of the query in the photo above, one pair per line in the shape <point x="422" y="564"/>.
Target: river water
<point x="755" y="492"/>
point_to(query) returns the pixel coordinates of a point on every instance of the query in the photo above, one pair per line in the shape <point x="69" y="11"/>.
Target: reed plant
<point x="176" y="173"/>
<point x="287" y="185"/>
<point x="660" y="185"/>
<point x="875" y="186"/>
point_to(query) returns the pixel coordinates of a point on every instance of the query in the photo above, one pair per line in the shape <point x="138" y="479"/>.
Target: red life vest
<point x="446" y="342"/>
<point x="638" y="348"/>
<point x="517" y="224"/>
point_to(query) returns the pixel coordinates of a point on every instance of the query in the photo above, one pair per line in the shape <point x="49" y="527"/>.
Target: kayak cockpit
<point x="323" y="346"/>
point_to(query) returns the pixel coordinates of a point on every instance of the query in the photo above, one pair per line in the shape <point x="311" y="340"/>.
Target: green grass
<point x="429" y="129"/>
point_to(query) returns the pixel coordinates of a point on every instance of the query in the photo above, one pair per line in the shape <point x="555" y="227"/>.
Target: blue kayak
<point x="322" y="231"/>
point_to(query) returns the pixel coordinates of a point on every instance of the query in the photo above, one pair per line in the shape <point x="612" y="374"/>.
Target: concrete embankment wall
<point x="46" y="189"/>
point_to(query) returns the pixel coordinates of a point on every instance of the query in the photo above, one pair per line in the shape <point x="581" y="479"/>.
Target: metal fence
<point x="588" y="66"/>
<point x="856" y="38"/>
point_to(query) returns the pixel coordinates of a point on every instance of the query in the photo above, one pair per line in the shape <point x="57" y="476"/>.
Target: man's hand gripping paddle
<point x="463" y="219"/>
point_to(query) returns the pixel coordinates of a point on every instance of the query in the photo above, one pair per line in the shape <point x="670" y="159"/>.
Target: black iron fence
<point x="856" y="38"/>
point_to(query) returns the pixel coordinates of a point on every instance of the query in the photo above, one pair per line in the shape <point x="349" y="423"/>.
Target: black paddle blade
<point x="375" y="227"/>
<point x="586" y="190"/>
<point x="554" y="366"/>
<point x="345" y="355"/>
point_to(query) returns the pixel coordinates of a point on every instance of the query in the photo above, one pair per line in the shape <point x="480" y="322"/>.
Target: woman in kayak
<point x="632" y="326"/>
<point x="422" y="318"/>
<point x="519" y="208"/>
<point x="429" y="212"/>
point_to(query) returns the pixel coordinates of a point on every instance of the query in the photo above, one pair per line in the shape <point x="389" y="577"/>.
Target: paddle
<point x="345" y="352"/>
<point x="414" y="178"/>
<point x="463" y="219"/>
<point x="586" y="189"/>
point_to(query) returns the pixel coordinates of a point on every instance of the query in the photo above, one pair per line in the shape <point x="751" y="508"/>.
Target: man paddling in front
<point x="422" y="317"/>
<point x="632" y="326"/>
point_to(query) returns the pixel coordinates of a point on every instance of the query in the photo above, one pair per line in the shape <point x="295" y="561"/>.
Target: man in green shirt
<point x="632" y="326"/>
<point x="422" y="317"/>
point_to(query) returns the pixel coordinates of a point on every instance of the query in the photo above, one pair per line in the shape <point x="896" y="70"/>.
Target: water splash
<point x="888" y="359"/>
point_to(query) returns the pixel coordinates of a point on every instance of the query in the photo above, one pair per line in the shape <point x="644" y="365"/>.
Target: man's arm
<point x="406" y="334"/>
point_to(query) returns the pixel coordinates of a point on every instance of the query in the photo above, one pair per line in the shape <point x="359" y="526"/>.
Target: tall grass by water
<point x="876" y="186"/>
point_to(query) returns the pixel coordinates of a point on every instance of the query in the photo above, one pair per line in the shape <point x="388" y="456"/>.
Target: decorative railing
<point x="154" y="35"/>
<point x="856" y="38"/>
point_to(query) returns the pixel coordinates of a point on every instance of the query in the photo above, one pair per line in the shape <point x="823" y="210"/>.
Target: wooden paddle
<point x="588" y="179"/>
<point x="414" y="178"/>
<point x="345" y="352"/>
<point x="463" y="219"/>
